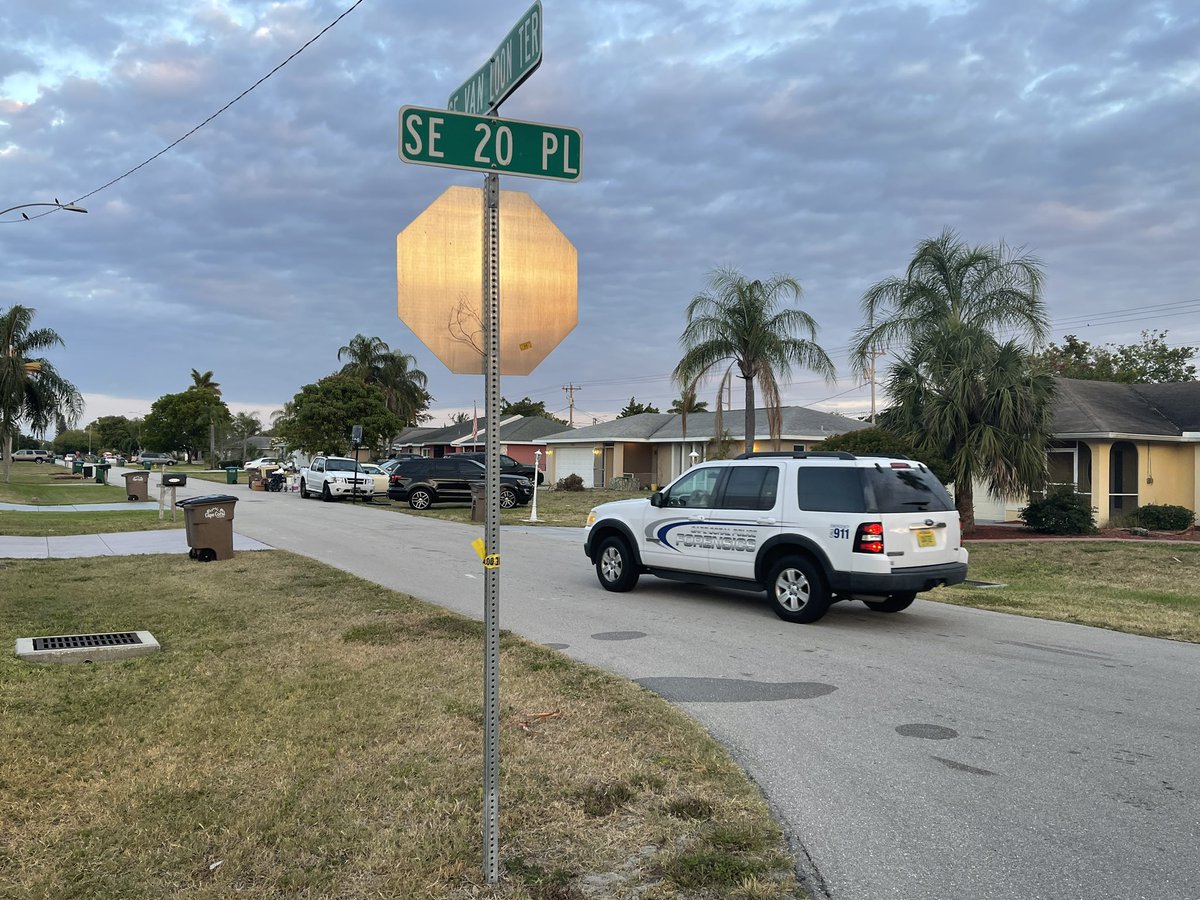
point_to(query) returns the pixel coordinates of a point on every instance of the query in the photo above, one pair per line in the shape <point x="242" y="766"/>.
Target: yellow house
<point x="1123" y="445"/>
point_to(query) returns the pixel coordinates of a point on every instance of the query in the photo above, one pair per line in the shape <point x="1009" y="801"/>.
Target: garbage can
<point x="137" y="485"/>
<point x="147" y="465"/>
<point x="77" y="467"/>
<point x="88" y="470"/>
<point x="208" y="521"/>
<point x="478" y="501"/>
<point x="102" y="473"/>
<point x="231" y="474"/>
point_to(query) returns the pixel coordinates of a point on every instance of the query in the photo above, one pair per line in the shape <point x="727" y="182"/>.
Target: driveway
<point x="937" y="754"/>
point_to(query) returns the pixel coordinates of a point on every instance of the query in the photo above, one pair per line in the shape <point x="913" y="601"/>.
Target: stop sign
<point x="439" y="281"/>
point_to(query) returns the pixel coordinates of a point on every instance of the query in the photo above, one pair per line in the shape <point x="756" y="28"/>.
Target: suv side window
<point x="696" y="488"/>
<point x="444" y="468"/>
<point x="751" y="487"/>
<point x="830" y="489"/>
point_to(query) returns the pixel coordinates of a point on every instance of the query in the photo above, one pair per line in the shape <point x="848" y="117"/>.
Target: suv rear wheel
<point x="894" y="603"/>
<point x="797" y="590"/>
<point x="508" y="498"/>
<point x="615" y="566"/>
<point x="420" y="498"/>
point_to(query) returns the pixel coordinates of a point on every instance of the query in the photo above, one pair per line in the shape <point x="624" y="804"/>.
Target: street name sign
<point x="436" y="137"/>
<point x="514" y="60"/>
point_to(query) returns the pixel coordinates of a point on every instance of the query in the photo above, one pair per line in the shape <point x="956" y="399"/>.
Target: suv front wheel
<point x="615" y="566"/>
<point x="797" y="590"/>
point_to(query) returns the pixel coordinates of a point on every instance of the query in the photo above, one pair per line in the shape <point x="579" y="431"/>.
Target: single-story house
<point x="520" y="437"/>
<point x="653" y="449"/>
<point x="1123" y="445"/>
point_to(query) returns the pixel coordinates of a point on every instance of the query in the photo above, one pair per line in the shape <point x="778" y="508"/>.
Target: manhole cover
<point x="74" y="648"/>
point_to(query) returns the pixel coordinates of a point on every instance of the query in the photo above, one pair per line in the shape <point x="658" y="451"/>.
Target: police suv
<point x="808" y="528"/>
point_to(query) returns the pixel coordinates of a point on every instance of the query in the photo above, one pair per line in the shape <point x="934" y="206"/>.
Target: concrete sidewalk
<point x="124" y="543"/>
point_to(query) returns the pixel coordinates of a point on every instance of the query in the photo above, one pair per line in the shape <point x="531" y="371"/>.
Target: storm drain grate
<point x="77" y="641"/>
<point x="90" y="648"/>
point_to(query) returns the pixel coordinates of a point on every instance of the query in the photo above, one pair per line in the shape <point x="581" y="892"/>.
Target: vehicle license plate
<point x="925" y="538"/>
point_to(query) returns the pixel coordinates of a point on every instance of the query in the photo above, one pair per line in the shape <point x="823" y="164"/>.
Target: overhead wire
<point x="184" y="137"/>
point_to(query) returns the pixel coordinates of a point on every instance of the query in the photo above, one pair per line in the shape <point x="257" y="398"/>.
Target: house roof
<point x="513" y="430"/>
<point x="799" y="423"/>
<point x="1105" y="407"/>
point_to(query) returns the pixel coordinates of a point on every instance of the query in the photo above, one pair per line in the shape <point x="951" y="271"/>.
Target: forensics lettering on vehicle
<point x="706" y="536"/>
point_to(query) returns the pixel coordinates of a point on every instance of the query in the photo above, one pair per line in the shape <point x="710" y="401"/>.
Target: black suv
<point x="422" y="482"/>
<point x="508" y="465"/>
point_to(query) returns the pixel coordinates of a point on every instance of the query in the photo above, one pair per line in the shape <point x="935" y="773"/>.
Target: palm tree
<point x="982" y="405"/>
<point x="366" y="357"/>
<point x="687" y="403"/>
<point x="737" y="320"/>
<point x="958" y="389"/>
<point x="403" y="386"/>
<point x="949" y="282"/>
<point x="31" y="390"/>
<point x="204" y="381"/>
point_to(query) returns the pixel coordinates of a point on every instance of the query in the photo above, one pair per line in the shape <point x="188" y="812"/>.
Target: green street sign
<point x="514" y="60"/>
<point x="437" y="137"/>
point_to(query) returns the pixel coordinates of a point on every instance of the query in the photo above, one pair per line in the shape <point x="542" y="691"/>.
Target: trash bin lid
<point x="207" y="500"/>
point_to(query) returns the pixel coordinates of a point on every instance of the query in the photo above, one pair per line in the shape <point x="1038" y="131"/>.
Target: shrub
<point x="1164" y="517"/>
<point x="570" y="483"/>
<point x="1063" y="512"/>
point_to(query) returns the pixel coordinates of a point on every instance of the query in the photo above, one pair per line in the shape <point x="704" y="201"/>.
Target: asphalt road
<point x="940" y="753"/>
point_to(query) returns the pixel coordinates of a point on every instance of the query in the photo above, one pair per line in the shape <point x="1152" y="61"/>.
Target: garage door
<point x="575" y="461"/>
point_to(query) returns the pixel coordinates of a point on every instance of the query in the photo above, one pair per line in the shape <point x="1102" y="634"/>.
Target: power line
<point x="180" y="140"/>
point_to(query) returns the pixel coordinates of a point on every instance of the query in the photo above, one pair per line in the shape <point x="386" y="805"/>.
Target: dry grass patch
<point x="36" y="485"/>
<point x="1141" y="588"/>
<point x="306" y="733"/>
<point x="569" y="508"/>
<point x="49" y="524"/>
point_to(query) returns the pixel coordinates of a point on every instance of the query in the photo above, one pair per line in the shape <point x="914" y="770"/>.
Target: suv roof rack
<point x="798" y="454"/>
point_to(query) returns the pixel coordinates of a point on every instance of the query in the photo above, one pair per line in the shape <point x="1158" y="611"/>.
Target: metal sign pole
<point x="491" y="535"/>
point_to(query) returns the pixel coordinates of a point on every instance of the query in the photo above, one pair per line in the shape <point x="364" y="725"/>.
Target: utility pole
<point x="875" y="354"/>
<point x="570" y="390"/>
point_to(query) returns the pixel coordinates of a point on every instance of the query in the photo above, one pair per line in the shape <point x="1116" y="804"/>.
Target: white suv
<point x="808" y="528"/>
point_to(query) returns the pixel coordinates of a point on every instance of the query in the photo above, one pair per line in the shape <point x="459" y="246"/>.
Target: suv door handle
<point x="766" y="521"/>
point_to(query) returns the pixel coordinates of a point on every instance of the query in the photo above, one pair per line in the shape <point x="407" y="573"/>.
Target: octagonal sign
<point x="439" y="281"/>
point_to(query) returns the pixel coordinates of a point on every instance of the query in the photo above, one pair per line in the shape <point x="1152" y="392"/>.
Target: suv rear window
<point x="905" y="490"/>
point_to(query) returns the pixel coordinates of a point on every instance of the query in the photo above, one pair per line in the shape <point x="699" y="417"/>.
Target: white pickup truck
<point x="335" y="476"/>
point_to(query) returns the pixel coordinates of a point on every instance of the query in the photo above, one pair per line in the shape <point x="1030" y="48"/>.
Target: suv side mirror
<point x="656" y="499"/>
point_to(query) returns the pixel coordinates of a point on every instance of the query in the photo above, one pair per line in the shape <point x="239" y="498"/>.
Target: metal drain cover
<point x="74" y="648"/>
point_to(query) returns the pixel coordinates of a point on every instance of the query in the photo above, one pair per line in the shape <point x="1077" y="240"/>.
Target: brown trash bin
<point x="208" y="521"/>
<point x="137" y="484"/>
<point x="478" y="501"/>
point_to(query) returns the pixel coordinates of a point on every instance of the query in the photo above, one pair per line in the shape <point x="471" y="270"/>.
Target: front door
<point x="675" y="534"/>
<point x="748" y="512"/>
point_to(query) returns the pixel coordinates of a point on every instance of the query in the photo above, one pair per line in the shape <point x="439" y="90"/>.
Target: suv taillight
<point x="869" y="538"/>
<point x="393" y="479"/>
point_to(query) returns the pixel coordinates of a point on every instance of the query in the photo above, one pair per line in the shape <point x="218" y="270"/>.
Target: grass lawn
<point x="304" y="733"/>
<point x="553" y="508"/>
<point x="40" y="486"/>
<point x="48" y="524"/>
<point x="1141" y="588"/>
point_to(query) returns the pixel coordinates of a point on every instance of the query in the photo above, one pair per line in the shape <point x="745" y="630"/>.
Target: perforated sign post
<point x="463" y="139"/>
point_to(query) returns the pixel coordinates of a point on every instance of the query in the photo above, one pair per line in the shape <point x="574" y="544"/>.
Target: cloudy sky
<point x="822" y="139"/>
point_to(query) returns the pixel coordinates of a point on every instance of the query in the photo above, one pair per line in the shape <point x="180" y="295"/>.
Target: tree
<point x="31" y="390"/>
<point x="634" y="408"/>
<point x="184" y="421"/>
<point x="737" y="320"/>
<point x="113" y="433"/>
<point x="322" y="414"/>
<point x="1151" y="361"/>
<point x="881" y="442"/>
<point x="957" y="390"/>
<point x="527" y="407"/>
<point x="460" y="418"/>
<point x="241" y="428"/>
<point x="204" y="381"/>
<point x="71" y="440"/>
<point x="687" y="403"/>
<point x="371" y="361"/>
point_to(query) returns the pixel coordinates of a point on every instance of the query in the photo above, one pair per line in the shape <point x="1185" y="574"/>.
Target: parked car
<point x="807" y="528"/>
<point x="35" y="456"/>
<point x="335" y="476"/>
<point x="423" y="482"/>
<point x="154" y="458"/>
<point x="260" y="462"/>
<point x="377" y="474"/>
<point x="389" y="465"/>
<point x="508" y="465"/>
